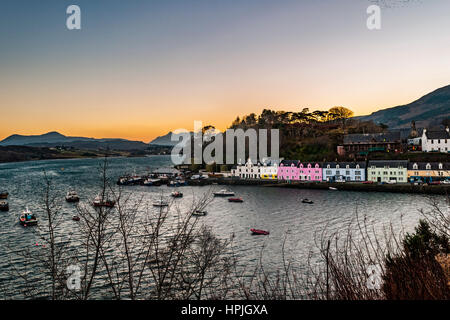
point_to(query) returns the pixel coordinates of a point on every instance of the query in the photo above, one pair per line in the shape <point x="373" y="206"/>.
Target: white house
<point x="247" y="171"/>
<point x="344" y="171"/>
<point x="436" y="141"/>
<point x="269" y="170"/>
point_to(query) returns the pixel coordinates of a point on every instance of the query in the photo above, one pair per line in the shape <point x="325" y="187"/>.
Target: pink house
<point x="310" y="172"/>
<point x="288" y="170"/>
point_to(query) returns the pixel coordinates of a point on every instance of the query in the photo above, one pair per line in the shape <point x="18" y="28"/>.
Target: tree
<point x="340" y="113"/>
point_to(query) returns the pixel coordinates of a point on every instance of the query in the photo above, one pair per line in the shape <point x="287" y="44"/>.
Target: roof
<point x="388" y="163"/>
<point x="344" y="164"/>
<point x="372" y="137"/>
<point x="437" y="134"/>
<point x="434" y="165"/>
<point x="288" y="163"/>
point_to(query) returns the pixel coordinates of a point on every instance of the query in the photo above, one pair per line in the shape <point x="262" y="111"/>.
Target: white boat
<point x="72" y="196"/>
<point x="223" y="193"/>
<point x="332" y="188"/>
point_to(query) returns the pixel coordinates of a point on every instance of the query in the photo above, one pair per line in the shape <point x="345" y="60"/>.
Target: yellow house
<point x="428" y="171"/>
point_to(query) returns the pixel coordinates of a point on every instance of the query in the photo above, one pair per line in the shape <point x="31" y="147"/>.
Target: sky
<point x="139" y="69"/>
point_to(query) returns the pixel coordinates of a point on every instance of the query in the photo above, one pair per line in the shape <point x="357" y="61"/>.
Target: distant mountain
<point x="54" y="139"/>
<point x="428" y="111"/>
<point x="164" y="140"/>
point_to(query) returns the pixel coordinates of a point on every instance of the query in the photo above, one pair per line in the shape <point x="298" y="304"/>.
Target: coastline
<point x="347" y="186"/>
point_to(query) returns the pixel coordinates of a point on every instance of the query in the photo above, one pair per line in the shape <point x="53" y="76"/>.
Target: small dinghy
<point x="177" y="194"/>
<point x="27" y="218"/>
<point x="4" y="206"/>
<point x="333" y="188"/>
<point x="76" y="218"/>
<point x="258" y="232"/>
<point x="200" y="213"/>
<point x="235" y="200"/>
<point x="4" y="195"/>
<point x="307" y="201"/>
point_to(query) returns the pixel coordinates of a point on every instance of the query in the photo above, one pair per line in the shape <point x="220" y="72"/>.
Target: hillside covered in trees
<point x="309" y="136"/>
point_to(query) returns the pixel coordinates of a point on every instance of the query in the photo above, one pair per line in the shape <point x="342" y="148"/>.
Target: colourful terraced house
<point x="288" y="170"/>
<point x="310" y="171"/>
<point x="294" y="170"/>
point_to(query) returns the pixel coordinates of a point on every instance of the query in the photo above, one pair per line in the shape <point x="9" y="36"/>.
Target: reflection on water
<point x="275" y="209"/>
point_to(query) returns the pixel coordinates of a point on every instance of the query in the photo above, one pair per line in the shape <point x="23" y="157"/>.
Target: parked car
<point x="392" y="181"/>
<point x="446" y="182"/>
<point x="367" y="182"/>
<point x="435" y="182"/>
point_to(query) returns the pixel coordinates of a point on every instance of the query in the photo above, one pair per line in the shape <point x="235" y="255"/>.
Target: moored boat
<point x="177" y="194"/>
<point x="76" y="218"/>
<point x="99" y="201"/>
<point x="160" y="203"/>
<point x="235" y="200"/>
<point x="72" y="196"/>
<point x="224" y="193"/>
<point x="4" y="195"/>
<point x="152" y="182"/>
<point x="333" y="188"/>
<point x="27" y="218"/>
<point x="200" y="213"/>
<point x="307" y="201"/>
<point x="258" y="232"/>
<point x="4" y="206"/>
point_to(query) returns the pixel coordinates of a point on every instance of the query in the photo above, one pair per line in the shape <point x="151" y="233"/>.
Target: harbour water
<point x="278" y="210"/>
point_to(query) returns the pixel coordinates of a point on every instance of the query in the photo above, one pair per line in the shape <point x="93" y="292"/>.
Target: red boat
<point x="235" y="200"/>
<point x="259" y="232"/>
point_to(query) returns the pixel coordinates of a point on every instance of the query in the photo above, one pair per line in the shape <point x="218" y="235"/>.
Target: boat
<point x="72" y="196"/>
<point x="4" y="206"/>
<point x="307" y="201"/>
<point x="332" y="188"/>
<point x="27" y="218"/>
<point x="258" y="232"/>
<point x="76" y="218"/>
<point x="200" y="213"/>
<point x="177" y="194"/>
<point x="99" y="201"/>
<point x="223" y="193"/>
<point x="4" y="195"/>
<point x="152" y="182"/>
<point x="160" y="203"/>
<point x="235" y="200"/>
